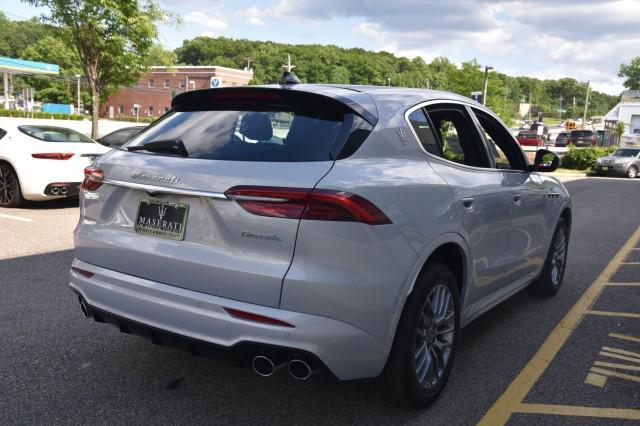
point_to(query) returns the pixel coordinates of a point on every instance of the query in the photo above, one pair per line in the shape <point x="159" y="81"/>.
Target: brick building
<point x="151" y="96"/>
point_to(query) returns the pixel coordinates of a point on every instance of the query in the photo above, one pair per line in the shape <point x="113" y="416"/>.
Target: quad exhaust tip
<point x="298" y="369"/>
<point x="263" y="366"/>
<point x="85" y="308"/>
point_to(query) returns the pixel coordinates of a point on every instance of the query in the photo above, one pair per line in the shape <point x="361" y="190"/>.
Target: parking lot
<point x="529" y="361"/>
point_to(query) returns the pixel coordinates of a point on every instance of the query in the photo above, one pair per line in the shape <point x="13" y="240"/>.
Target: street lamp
<point x="486" y="82"/>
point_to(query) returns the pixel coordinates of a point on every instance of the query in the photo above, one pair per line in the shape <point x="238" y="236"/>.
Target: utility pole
<point x="561" y="99"/>
<point x="486" y="83"/>
<point x="389" y="81"/>
<point x="78" y="104"/>
<point x="248" y="68"/>
<point x="586" y="107"/>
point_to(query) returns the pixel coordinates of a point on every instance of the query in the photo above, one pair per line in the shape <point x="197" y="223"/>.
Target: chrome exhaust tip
<point x="55" y="191"/>
<point x="63" y="190"/>
<point x="300" y="370"/>
<point x="263" y="366"/>
<point x="85" y="308"/>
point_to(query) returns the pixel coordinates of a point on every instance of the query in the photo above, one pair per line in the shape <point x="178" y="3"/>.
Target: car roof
<point x="362" y="99"/>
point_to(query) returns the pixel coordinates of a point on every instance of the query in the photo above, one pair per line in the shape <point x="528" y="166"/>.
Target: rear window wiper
<point x="168" y="146"/>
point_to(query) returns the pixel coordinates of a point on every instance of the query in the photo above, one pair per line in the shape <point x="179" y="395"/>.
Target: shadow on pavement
<point x="59" y="367"/>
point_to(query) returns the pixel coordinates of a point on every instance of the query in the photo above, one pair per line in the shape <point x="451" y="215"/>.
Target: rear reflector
<point x="256" y="318"/>
<point x="93" y="178"/>
<point x="53" y="155"/>
<point x="82" y="272"/>
<point x="310" y="204"/>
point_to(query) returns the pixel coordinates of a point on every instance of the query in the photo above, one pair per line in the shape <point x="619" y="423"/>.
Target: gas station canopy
<point x="21" y="66"/>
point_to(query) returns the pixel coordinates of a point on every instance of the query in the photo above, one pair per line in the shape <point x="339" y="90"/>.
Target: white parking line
<point x="18" y="218"/>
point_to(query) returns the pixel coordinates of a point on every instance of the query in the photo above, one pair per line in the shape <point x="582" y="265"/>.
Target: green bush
<point x="24" y="114"/>
<point x="584" y="158"/>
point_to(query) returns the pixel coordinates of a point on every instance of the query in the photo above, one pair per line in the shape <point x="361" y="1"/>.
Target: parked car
<point x="530" y="138"/>
<point x="583" y="138"/>
<point x="120" y="136"/>
<point x="42" y="162"/>
<point x="352" y="241"/>
<point x="624" y="161"/>
<point x="563" y="139"/>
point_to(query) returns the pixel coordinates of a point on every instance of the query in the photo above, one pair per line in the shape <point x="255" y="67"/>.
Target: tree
<point x="632" y="73"/>
<point x="111" y="39"/>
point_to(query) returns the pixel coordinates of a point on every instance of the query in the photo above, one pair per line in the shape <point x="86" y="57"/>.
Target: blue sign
<point x="11" y="65"/>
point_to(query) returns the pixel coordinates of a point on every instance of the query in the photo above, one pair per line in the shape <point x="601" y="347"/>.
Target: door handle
<point x="517" y="198"/>
<point x="467" y="202"/>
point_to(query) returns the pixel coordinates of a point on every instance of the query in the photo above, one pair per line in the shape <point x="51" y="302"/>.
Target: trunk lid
<point x="224" y="250"/>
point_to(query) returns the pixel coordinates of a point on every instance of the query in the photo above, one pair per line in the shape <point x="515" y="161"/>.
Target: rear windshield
<point x="582" y="133"/>
<point x="277" y="135"/>
<point x="54" y="134"/>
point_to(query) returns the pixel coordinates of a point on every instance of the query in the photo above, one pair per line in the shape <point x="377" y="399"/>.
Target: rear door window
<point x="423" y="128"/>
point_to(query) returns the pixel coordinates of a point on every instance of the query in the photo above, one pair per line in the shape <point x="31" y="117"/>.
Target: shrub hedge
<point x="24" y="114"/>
<point x="584" y="158"/>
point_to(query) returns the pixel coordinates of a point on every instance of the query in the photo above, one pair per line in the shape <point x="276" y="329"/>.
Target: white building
<point x="627" y="112"/>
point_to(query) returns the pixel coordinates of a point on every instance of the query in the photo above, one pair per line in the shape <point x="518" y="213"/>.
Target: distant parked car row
<point x="577" y="138"/>
<point x="45" y="162"/>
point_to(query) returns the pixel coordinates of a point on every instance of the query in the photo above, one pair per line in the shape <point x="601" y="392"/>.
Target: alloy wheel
<point x="558" y="257"/>
<point x="633" y="172"/>
<point x="435" y="336"/>
<point x="7" y="185"/>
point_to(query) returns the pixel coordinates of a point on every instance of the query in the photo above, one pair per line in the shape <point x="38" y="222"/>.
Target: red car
<point x="529" y="138"/>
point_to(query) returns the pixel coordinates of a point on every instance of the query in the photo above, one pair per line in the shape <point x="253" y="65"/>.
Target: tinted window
<point x="422" y="127"/>
<point x="2" y="133"/>
<point x="119" y="137"/>
<point x="458" y="135"/>
<point x="505" y="151"/>
<point x="267" y="135"/>
<point x="582" y="133"/>
<point x="54" y="134"/>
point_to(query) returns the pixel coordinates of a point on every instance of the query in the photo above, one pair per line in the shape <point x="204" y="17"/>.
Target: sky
<point x="582" y="39"/>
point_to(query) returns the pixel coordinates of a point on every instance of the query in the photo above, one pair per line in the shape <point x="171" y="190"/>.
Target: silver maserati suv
<point x="347" y="229"/>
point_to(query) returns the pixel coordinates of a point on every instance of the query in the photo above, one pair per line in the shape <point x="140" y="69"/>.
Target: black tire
<point x="399" y="381"/>
<point x="10" y="192"/>
<point x="550" y="280"/>
<point x="632" y="173"/>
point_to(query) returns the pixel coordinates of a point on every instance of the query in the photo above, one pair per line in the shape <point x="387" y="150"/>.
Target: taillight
<point x="310" y="204"/>
<point x="93" y="178"/>
<point x="53" y="155"/>
<point x="256" y="318"/>
<point x="82" y="272"/>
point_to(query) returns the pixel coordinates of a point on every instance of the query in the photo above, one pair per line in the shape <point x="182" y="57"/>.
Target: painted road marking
<point x="597" y="375"/>
<point x="623" y="284"/>
<point x="511" y="400"/>
<point x="613" y="314"/>
<point x="630" y="263"/>
<point x="572" y="410"/>
<point x="625" y="337"/>
<point x="10" y="216"/>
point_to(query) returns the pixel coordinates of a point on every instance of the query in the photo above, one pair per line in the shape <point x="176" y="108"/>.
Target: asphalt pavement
<point x="57" y="367"/>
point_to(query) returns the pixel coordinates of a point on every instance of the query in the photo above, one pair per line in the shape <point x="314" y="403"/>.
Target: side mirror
<point x="545" y="161"/>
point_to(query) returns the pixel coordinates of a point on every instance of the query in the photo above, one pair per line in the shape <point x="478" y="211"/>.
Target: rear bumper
<point x="150" y="308"/>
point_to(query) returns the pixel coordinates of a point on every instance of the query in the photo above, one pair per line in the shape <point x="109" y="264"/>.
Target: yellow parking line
<point x="615" y="374"/>
<point x="625" y="337"/>
<point x="623" y="284"/>
<point x="630" y="263"/>
<point x="622" y="357"/>
<point x="512" y="398"/>
<point x="572" y="410"/>
<point x="621" y="352"/>
<point x="613" y="314"/>
<point x="618" y="366"/>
